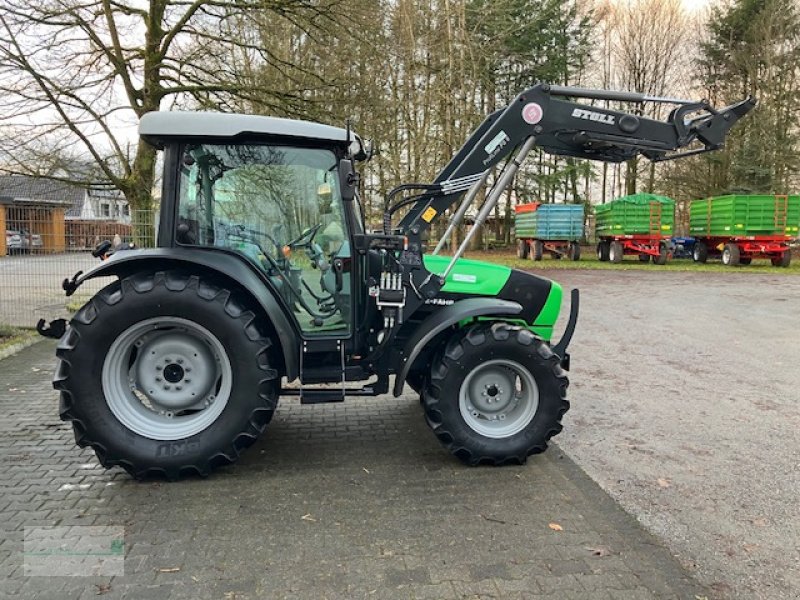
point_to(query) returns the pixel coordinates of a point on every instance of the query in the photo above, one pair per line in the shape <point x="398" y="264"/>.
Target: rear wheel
<point x="663" y="255"/>
<point x="602" y="251"/>
<point x="523" y="248"/>
<point x="700" y="252"/>
<point x="730" y="255"/>
<point x="185" y="376"/>
<point x="496" y="395"/>
<point x="574" y="251"/>
<point x="616" y="252"/>
<point x="784" y="260"/>
<point x="644" y="258"/>
<point x="537" y="250"/>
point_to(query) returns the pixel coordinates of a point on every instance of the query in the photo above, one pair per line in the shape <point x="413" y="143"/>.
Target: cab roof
<point x="158" y="127"/>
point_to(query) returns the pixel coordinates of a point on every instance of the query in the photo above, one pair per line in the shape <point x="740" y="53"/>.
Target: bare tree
<point x="75" y="76"/>
<point x="648" y="50"/>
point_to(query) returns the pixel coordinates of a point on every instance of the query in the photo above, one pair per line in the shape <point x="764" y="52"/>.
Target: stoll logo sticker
<point x="532" y="113"/>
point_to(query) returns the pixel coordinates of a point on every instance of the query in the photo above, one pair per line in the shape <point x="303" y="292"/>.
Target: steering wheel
<point x="305" y="238"/>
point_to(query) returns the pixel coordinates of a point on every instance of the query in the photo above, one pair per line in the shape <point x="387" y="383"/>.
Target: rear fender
<point x="229" y="267"/>
<point x="441" y="320"/>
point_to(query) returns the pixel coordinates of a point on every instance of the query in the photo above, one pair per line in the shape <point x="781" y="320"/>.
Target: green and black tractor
<point x="265" y="282"/>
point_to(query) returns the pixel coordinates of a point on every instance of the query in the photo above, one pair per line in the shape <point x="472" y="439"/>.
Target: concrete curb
<point x="19" y="346"/>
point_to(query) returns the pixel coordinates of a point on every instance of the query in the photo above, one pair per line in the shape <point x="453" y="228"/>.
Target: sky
<point x="695" y="4"/>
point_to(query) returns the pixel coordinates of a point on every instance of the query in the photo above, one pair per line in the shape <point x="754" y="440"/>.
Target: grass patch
<point x="589" y="261"/>
<point x="11" y="335"/>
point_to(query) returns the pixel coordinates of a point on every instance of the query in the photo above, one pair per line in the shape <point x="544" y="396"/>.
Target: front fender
<point x="228" y="266"/>
<point x="441" y="320"/>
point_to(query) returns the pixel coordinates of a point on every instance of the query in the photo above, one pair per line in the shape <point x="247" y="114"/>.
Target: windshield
<point x="280" y="207"/>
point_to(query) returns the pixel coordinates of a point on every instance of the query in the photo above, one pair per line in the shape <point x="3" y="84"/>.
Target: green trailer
<point x="739" y="228"/>
<point x="639" y="224"/>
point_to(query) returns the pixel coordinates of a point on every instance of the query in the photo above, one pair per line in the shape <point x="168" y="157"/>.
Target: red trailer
<point x="742" y="250"/>
<point x="614" y="247"/>
<point x="739" y="228"/>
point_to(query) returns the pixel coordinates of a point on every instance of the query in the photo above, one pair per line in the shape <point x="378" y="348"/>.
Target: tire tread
<point x="174" y="282"/>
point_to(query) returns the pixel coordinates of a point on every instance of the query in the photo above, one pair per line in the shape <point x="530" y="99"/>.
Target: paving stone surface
<point x="352" y="500"/>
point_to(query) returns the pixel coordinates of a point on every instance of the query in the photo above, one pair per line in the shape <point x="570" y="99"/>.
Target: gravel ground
<point x="684" y="408"/>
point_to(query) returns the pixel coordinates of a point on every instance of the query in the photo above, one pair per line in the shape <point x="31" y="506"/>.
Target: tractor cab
<point x="273" y="191"/>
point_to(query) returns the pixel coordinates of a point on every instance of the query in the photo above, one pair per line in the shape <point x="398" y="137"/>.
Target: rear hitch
<point x="55" y="329"/>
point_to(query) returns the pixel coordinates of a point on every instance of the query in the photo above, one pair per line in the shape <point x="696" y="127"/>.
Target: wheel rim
<point x="726" y="256"/>
<point x="167" y="378"/>
<point x="498" y="398"/>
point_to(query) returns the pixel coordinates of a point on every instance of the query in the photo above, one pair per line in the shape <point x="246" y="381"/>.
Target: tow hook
<point x="70" y="285"/>
<point x="55" y="329"/>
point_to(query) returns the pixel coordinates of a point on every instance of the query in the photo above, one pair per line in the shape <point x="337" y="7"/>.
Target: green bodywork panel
<point x="637" y="214"/>
<point x="477" y="278"/>
<point x="544" y="322"/>
<point x="472" y="277"/>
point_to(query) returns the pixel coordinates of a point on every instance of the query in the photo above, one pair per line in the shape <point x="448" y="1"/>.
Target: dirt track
<point x="685" y="408"/>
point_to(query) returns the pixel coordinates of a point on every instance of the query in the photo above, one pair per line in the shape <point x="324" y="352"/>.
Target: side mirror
<point x="348" y="180"/>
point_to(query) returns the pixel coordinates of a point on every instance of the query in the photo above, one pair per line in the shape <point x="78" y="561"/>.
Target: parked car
<point x="30" y="241"/>
<point x="13" y="242"/>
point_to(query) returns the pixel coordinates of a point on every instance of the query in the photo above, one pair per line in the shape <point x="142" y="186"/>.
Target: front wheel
<point x="700" y="252"/>
<point x="166" y="374"/>
<point x="537" y="250"/>
<point x="603" y="248"/>
<point x="663" y="255"/>
<point x="523" y="248"/>
<point x="574" y="251"/>
<point x="616" y="252"/>
<point x="730" y="255"/>
<point x="496" y="395"/>
<point x="784" y="260"/>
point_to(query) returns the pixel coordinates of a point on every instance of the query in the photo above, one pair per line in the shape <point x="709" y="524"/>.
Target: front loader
<point x="264" y="276"/>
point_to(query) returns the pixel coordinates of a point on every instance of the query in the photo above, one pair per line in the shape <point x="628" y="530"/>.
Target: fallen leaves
<point x="759" y="522"/>
<point x="663" y="482"/>
<point x="168" y="569"/>
<point x="309" y="518"/>
<point x="555" y="527"/>
<point x="102" y="588"/>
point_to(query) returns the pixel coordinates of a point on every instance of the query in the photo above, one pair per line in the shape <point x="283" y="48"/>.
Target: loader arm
<point x="562" y="126"/>
<point x="543" y="116"/>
